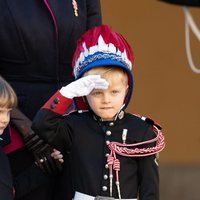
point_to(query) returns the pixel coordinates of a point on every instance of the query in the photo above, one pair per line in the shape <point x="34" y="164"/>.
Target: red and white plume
<point x="101" y="40"/>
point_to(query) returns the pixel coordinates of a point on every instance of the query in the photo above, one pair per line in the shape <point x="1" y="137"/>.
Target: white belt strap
<point x="81" y="196"/>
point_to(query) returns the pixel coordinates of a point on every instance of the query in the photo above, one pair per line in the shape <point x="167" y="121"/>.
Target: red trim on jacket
<point x="58" y="103"/>
<point x="52" y="15"/>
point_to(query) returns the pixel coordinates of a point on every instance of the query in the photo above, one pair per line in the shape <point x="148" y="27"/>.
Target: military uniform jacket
<point x="86" y="137"/>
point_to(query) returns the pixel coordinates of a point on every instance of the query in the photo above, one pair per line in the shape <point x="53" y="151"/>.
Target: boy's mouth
<point x="106" y="108"/>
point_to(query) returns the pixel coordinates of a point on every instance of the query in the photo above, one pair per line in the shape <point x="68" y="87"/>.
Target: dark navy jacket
<point x="38" y="38"/>
<point x="86" y="137"/>
<point x="37" y="41"/>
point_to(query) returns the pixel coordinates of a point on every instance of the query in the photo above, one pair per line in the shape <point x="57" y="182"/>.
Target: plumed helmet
<point x="101" y="46"/>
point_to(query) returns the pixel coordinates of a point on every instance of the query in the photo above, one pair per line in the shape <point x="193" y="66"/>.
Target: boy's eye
<point x="96" y="93"/>
<point x="115" y="91"/>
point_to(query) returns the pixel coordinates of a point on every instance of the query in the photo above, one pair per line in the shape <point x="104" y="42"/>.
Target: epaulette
<point x="82" y="111"/>
<point x="149" y="121"/>
<point x="75" y="111"/>
<point x="70" y="112"/>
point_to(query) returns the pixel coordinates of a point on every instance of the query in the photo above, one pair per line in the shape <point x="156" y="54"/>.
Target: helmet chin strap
<point x="117" y="114"/>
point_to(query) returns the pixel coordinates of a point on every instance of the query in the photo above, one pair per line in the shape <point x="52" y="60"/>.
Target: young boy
<point x="112" y="153"/>
<point x="8" y="100"/>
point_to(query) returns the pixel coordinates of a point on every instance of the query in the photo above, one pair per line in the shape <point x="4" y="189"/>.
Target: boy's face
<point x="4" y="118"/>
<point x="106" y="103"/>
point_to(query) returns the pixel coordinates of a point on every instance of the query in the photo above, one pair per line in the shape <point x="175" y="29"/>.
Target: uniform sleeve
<point x="94" y="17"/>
<point x="148" y="173"/>
<point x="51" y="125"/>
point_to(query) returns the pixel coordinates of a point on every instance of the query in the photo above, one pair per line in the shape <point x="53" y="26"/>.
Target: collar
<point x="119" y="116"/>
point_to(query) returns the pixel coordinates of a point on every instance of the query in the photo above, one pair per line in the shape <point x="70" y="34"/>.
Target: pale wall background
<point x="166" y="89"/>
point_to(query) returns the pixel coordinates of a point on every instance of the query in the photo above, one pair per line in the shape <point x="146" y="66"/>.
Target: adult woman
<point x="37" y="41"/>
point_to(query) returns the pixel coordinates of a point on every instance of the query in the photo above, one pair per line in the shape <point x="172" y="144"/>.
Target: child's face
<point x="106" y="103"/>
<point x="4" y="118"/>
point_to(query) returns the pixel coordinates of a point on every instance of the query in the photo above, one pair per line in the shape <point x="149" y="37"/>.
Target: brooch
<point x="75" y="7"/>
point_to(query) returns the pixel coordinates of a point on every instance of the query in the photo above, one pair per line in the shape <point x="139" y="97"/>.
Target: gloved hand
<point x="84" y="86"/>
<point x="42" y="153"/>
<point x="40" y="150"/>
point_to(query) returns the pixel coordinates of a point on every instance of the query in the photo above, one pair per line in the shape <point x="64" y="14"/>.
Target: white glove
<point x="84" y="86"/>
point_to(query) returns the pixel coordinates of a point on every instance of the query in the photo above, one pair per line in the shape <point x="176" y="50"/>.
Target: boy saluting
<point x="112" y="153"/>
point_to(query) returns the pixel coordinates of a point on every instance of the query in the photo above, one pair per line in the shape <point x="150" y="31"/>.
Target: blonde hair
<point x="109" y="73"/>
<point x="8" y="98"/>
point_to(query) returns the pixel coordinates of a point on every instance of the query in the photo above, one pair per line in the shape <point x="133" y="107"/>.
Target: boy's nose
<point x="106" y="98"/>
